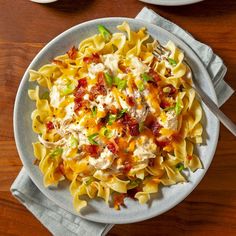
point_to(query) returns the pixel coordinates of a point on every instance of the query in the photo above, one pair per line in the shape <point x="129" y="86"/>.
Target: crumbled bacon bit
<point x="93" y="58"/>
<point x="189" y="157"/>
<point x="36" y="162"/>
<point x="79" y="92"/>
<point x="164" y="104"/>
<point x="131" y="123"/>
<point x="78" y="105"/>
<point x="163" y="143"/>
<point x="49" y="125"/>
<point x="111" y="147"/>
<point x="131" y="193"/>
<point x="61" y="168"/>
<point x="113" y="110"/>
<point x="100" y="77"/>
<point x="172" y="89"/>
<point x="130" y="101"/>
<point x="151" y="162"/>
<point x="118" y="199"/>
<point x="60" y="63"/>
<point x="155" y="128"/>
<point x="96" y="90"/>
<point x="72" y="53"/>
<point x="154" y="75"/>
<point x="134" y="129"/>
<point x="124" y="69"/>
<point x="93" y="150"/>
<point x="82" y="83"/>
<point x="127" y="167"/>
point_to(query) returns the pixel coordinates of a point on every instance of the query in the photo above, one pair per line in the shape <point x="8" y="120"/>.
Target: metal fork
<point x="162" y="51"/>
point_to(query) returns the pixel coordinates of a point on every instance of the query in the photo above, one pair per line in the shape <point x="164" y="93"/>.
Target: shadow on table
<point x="70" y="5"/>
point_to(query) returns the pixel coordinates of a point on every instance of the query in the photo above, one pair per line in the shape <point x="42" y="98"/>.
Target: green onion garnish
<point x="94" y="111"/>
<point x="68" y="89"/>
<point x="180" y="166"/>
<point x="172" y="61"/>
<point x="108" y="79"/>
<point x="104" y="32"/>
<point x="121" y="113"/>
<point x="106" y="132"/>
<point x="141" y="86"/>
<point x="91" y="138"/>
<point x="56" y="152"/>
<point x="111" y="118"/>
<point x="73" y="142"/>
<point x="146" y="77"/>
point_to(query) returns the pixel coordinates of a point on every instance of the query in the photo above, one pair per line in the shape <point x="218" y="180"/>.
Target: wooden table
<point x="25" y="27"/>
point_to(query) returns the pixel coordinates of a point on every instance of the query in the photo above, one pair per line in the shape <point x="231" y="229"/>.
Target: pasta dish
<point x="113" y="119"/>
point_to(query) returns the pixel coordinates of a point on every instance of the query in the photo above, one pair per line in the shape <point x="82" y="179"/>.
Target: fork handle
<point x="216" y="111"/>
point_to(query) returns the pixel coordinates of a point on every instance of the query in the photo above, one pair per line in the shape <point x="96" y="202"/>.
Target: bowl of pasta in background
<point x="97" y="210"/>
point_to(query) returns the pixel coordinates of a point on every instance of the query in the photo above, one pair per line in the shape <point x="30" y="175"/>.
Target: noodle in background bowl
<point x="97" y="210"/>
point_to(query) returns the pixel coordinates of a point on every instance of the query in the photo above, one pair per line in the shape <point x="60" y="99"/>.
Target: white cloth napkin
<point x="62" y="223"/>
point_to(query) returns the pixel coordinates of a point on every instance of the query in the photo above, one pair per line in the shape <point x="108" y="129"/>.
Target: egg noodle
<point x="113" y="119"/>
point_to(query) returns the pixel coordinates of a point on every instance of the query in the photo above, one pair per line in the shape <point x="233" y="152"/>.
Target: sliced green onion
<point x="106" y="132"/>
<point x="94" y="111"/>
<point x="73" y="142"/>
<point x="122" y="84"/>
<point x="141" y="86"/>
<point x="146" y="77"/>
<point x="172" y="61"/>
<point x="108" y="79"/>
<point x="178" y="107"/>
<point x="91" y="138"/>
<point x="121" y="113"/>
<point x="180" y="166"/>
<point x="56" y="152"/>
<point x="45" y="95"/>
<point x="68" y="89"/>
<point x="111" y="118"/>
<point x="104" y="32"/>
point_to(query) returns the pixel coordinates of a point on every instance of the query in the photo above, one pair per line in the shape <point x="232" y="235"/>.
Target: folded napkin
<point x="62" y="223"/>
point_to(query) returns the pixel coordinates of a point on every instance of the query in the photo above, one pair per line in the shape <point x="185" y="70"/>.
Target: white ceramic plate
<point x="171" y="2"/>
<point x="97" y="210"/>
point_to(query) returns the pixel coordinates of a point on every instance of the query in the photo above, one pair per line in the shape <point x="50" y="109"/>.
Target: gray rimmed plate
<point x="97" y="210"/>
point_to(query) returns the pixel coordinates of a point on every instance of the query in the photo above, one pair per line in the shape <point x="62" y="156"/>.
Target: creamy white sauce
<point x="69" y="111"/>
<point x="104" y="161"/>
<point x="171" y="121"/>
<point x="111" y="62"/>
<point x="94" y="69"/>
<point x="145" y="148"/>
<point x="138" y="67"/>
<point x="55" y="98"/>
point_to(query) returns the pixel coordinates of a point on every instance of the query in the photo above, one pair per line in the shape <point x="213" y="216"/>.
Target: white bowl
<point x="97" y="210"/>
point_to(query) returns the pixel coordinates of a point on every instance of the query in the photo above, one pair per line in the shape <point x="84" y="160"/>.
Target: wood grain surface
<point x="25" y="27"/>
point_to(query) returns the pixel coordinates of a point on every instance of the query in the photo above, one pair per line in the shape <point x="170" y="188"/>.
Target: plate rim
<point x="17" y="136"/>
<point x="171" y="3"/>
